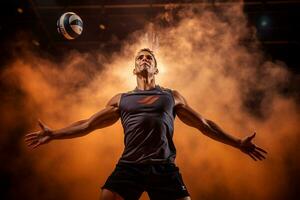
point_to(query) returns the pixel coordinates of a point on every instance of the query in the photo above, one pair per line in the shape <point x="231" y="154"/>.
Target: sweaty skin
<point x="145" y="70"/>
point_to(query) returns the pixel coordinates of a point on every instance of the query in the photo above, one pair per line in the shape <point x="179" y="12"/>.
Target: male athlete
<point x="147" y="114"/>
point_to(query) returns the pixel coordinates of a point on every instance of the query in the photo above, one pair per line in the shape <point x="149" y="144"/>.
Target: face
<point x="145" y="64"/>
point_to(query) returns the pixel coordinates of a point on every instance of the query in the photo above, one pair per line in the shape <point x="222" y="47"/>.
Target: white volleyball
<point x="70" y="25"/>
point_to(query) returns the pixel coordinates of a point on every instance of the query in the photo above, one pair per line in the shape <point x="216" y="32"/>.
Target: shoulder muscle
<point x="179" y="99"/>
<point x="114" y="101"/>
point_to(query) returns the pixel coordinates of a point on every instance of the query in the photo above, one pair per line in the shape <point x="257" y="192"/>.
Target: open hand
<point x="38" y="138"/>
<point x="255" y="152"/>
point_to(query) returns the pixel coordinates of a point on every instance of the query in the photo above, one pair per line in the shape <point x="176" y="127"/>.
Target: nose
<point x="144" y="58"/>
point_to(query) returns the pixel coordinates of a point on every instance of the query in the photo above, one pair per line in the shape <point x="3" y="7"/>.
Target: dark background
<point x="277" y="24"/>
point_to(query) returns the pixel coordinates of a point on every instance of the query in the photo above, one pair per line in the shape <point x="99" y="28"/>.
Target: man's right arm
<point x="106" y="117"/>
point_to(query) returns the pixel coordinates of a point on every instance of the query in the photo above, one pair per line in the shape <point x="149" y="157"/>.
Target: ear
<point x="156" y="71"/>
<point x="134" y="71"/>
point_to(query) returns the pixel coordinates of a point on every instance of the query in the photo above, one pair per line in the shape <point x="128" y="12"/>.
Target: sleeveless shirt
<point x="147" y="118"/>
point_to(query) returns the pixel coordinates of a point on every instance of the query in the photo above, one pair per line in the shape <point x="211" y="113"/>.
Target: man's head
<point x="145" y="63"/>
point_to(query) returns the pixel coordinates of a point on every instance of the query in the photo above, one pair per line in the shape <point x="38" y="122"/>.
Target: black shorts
<point x="160" y="181"/>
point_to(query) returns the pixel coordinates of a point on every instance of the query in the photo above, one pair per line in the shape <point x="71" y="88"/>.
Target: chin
<point x="144" y="72"/>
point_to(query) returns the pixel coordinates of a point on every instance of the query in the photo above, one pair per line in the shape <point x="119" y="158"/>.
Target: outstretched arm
<point x="104" y="118"/>
<point x="212" y="130"/>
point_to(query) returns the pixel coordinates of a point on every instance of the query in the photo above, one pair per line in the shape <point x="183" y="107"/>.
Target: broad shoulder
<point x="178" y="98"/>
<point x="115" y="100"/>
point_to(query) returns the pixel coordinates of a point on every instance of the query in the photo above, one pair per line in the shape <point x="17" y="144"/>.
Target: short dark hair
<point x="151" y="52"/>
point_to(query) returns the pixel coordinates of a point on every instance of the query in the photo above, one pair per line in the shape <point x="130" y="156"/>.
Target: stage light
<point x="102" y="27"/>
<point x="35" y="42"/>
<point x="264" y="21"/>
<point x="20" y="10"/>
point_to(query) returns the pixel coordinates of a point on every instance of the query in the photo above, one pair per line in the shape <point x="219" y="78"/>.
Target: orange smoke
<point x="206" y="58"/>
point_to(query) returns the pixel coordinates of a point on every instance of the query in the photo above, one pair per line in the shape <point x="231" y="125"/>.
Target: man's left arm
<point x="212" y="130"/>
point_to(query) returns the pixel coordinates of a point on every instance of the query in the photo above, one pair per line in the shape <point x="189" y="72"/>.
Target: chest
<point x="135" y="103"/>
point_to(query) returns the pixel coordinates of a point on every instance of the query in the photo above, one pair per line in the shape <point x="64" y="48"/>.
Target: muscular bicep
<point x="186" y="114"/>
<point x="190" y="117"/>
<point x="114" y="101"/>
<point x="106" y="117"/>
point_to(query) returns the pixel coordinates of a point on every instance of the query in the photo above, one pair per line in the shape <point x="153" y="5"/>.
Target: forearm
<point x="103" y="118"/>
<point x="213" y="131"/>
<point x="207" y="127"/>
<point x="76" y="129"/>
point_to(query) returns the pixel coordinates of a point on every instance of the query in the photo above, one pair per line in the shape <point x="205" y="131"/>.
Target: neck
<point x="145" y="82"/>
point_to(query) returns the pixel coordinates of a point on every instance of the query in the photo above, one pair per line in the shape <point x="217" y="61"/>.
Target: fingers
<point x="36" y="145"/>
<point x="28" y="138"/>
<point x="41" y="124"/>
<point x="249" y="154"/>
<point x="255" y="152"/>
<point x="32" y="144"/>
<point x="258" y="155"/>
<point x="37" y="138"/>
<point x="251" y="137"/>
<point x="260" y="149"/>
<point x="32" y="134"/>
<point x="261" y="155"/>
<point x="32" y="139"/>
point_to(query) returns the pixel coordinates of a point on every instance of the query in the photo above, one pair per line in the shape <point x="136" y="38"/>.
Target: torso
<point x="147" y="117"/>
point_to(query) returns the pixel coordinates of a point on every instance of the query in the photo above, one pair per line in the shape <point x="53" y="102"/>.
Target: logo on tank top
<point x="148" y="100"/>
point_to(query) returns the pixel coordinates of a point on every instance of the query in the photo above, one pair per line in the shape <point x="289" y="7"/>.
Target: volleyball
<point x="69" y="25"/>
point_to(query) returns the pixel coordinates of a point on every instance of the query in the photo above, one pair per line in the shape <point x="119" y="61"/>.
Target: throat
<point x="145" y="82"/>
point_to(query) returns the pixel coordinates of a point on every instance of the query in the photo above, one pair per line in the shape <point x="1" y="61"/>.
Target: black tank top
<point x="147" y="118"/>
